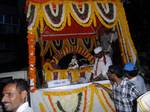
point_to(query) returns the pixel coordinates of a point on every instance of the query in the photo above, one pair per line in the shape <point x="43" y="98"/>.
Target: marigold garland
<point x="100" y="100"/>
<point x="85" y="99"/>
<point x="32" y="58"/>
<point x="113" y="110"/>
<point x="125" y="34"/>
<point x="51" y="103"/>
<point x="84" y="17"/>
<point x="91" y="97"/>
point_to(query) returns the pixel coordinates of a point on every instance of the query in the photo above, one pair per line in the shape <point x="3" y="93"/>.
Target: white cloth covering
<point x="24" y="108"/>
<point x="143" y="103"/>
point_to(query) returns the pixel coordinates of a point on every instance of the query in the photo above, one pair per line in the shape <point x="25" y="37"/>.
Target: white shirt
<point x="24" y="108"/>
<point x="139" y="83"/>
<point x="100" y="67"/>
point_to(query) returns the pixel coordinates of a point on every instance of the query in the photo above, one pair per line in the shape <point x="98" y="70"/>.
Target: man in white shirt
<point x="131" y="72"/>
<point x="15" y="95"/>
<point x="102" y="63"/>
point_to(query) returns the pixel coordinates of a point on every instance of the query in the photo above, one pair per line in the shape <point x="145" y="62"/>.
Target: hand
<point x="97" y="78"/>
<point x="102" y="86"/>
<point x="98" y="85"/>
<point x="109" y="91"/>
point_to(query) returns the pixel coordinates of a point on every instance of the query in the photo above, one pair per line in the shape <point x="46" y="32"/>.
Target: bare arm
<point x="109" y="91"/>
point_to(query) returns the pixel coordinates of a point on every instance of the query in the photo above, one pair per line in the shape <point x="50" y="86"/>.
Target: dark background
<point x="137" y="13"/>
<point x="13" y="41"/>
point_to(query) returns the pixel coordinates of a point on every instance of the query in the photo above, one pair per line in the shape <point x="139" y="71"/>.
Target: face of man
<point x="99" y="55"/>
<point x="12" y="97"/>
<point x="111" y="76"/>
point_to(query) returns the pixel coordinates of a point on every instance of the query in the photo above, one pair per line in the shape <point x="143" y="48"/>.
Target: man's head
<point x="114" y="72"/>
<point x="130" y="69"/>
<point x="15" y="93"/>
<point x="98" y="52"/>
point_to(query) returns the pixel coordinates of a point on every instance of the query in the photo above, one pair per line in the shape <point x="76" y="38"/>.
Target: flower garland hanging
<point x="84" y="14"/>
<point x="32" y="59"/>
<point x="106" y="13"/>
<point x="55" y="19"/>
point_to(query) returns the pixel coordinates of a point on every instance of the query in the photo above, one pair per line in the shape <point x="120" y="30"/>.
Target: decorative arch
<point x="73" y="49"/>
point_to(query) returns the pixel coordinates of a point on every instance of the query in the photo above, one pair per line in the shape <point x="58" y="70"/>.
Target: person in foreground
<point x="124" y="93"/>
<point x="15" y="95"/>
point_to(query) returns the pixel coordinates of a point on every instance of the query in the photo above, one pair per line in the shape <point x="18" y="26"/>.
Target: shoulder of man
<point x="29" y="109"/>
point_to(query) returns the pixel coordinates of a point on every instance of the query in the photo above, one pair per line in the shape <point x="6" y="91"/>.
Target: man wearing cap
<point x="131" y="73"/>
<point x="102" y="62"/>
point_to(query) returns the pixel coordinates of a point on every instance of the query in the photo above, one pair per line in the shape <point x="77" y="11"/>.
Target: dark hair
<point x="21" y="84"/>
<point x="131" y="73"/>
<point x="116" y="69"/>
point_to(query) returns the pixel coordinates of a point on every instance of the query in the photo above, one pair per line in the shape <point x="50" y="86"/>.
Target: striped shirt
<point x="124" y="95"/>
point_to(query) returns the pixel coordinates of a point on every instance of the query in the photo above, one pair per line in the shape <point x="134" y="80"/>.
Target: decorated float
<point x="64" y="29"/>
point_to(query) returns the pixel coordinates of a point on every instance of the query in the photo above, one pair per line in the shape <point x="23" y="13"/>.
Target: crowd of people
<point x="129" y="91"/>
<point x="127" y="84"/>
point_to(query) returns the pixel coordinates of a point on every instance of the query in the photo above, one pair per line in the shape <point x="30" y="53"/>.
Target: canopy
<point x="51" y="20"/>
<point x="59" y="15"/>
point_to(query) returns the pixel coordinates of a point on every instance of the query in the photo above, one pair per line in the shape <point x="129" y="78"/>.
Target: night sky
<point x="137" y="12"/>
